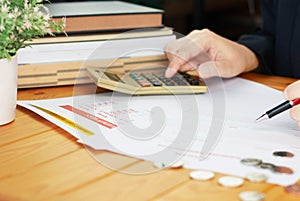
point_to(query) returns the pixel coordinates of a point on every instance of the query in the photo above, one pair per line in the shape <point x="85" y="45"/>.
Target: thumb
<point x="292" y="91"/>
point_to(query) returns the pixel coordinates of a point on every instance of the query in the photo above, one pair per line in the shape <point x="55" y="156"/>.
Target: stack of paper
<point x="212" y="131"/>
<point x="96" y="30"/>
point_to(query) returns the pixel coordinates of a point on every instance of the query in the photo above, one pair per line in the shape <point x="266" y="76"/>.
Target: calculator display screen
<point x="113" y="77"/>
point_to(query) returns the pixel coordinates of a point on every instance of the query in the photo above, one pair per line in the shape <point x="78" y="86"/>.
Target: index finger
<point x="174" y="66"/>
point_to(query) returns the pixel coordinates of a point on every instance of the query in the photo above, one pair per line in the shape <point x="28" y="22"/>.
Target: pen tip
<point x="262" y="118"/>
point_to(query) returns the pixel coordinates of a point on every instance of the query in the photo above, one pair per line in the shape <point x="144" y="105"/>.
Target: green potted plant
<point x="20" y="22"/>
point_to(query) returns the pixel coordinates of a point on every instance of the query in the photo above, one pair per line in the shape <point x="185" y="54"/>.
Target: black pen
<point x="278" y="109"/>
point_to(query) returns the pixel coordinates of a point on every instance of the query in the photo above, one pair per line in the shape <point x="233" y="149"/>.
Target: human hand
<point x="203" y="50"/>
<point x="291" y="92"/>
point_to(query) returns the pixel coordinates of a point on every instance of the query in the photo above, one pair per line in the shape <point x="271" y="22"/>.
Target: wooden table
<point x="40" y="161"/>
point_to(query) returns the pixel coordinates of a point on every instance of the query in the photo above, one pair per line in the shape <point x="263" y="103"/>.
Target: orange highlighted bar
<point x="89" y="116"/>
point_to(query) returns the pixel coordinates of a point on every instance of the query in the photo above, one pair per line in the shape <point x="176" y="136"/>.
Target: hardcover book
<point x="105" y="16"/>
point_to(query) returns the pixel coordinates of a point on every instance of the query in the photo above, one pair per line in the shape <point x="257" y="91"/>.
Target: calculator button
<point x="158" y="79"/>
<point x="152" y="80"/>
<point x="133" y="75"/>
<point x="186" y="75"/>
<point x="182" y="84"/>
<point x="157" y="84"/>
<point x="170" y="84"/>
<point x="194" y="83"/>
<point x="138" y="78"/>
<point x="176" y="80"/>
<point x="144" y="83"/>
<point x="158" y="74"/>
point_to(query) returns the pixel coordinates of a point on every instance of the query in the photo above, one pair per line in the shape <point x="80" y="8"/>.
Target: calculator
<point x="147" y="81"/>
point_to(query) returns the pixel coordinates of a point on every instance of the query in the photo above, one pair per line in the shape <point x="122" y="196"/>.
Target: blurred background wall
<point x="229" y="18"/>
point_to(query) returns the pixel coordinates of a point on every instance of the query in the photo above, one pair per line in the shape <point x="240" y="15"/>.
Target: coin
<point x="159" y="165"/>
<point x="283" y="154"/>
<point x="269" y="166"/>
<point x="256" y="177"/>
<point x="251" y="196"/>
<point x="230" y="181"/>
<point x="162" y="165"/>
<point x="284" y="170"/>
<point x="202" y="175"/>
<point x="293" y="189"/>
<point x="177" y="164"/>
<point x="251" y="161"/>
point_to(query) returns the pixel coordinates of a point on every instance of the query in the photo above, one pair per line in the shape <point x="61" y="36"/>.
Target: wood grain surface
<point x="40" y="161"/>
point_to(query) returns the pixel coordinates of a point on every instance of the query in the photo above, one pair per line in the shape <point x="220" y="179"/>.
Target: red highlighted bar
<point x="89" y="116"/>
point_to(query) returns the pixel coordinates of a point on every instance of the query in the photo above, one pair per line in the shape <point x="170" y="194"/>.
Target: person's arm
<point x="261" y="42"/>
<point x="230" y="58"/>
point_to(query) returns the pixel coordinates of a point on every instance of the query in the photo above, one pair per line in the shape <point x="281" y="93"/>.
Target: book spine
<point x="112" y="22"/>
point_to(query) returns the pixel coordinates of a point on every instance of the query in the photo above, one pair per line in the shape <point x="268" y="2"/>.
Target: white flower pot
<point x="8" y="89"/>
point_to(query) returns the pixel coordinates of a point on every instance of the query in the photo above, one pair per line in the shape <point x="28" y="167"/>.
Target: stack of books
<point x="95" y="31"/>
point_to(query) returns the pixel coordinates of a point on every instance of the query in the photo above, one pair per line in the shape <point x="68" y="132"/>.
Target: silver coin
<point x="162" y="165"/>
<point x="159" y="165"/>
<point x="231" y="181"/>
<point x="268" y="166"/>
<point x="177" y="164"/>
<point x="256" y="177"/>
<point x="202" y="175"/>
<point x="251" y="196"/>
<point x="283" y="154"/>
<point x="251" y="161"/>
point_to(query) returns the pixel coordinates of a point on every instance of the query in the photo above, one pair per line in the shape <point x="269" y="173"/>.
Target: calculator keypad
<point x="159" y="79"/>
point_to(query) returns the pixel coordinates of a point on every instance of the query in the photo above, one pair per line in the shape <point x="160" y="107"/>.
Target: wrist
<point x="250" y="58"/>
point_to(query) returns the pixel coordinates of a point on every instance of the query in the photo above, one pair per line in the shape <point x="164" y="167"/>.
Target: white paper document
<point x="93" y="50"/>
<point x="211" y="131"/>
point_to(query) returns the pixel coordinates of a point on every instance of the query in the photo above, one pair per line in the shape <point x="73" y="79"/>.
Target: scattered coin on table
<point x="272" y="167"/>
<point x="177" y="164"/>
<point x="283" y="170"/>
<point x="256" y="177"/>
<point x="268" y="166"/>
<point x="293" y="189"/>
<point x="251" y="196"/>
<point x="230" y="181"/>
<point x="251" y="161"/>
<point x="283" y="154"/>
<point x="202" y="175"/>
<point x="159" y="165"/>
